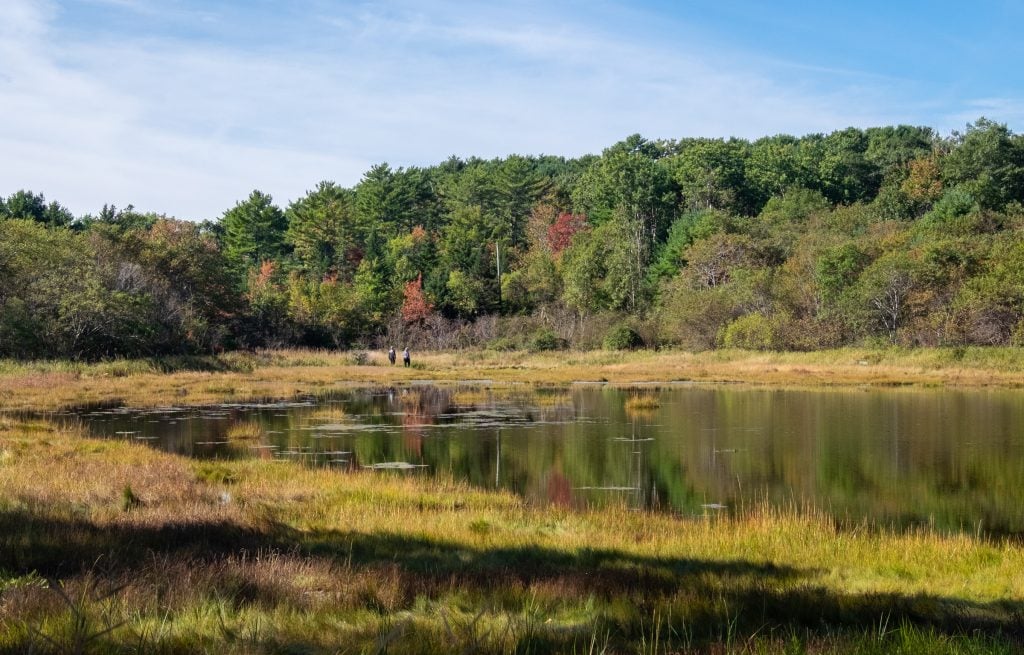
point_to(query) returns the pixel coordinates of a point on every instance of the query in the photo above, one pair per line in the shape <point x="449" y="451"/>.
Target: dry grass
<point x="245" y="431"/>
<point x="642" y="403"/>
<point x="286" y="373"/>
<point x="330" y="412"/>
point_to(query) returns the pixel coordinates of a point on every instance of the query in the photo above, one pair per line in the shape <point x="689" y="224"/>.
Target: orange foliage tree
<point x="415" y="306"/>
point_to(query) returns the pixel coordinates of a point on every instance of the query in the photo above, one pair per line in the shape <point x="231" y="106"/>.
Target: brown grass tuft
<point x="245" y="431"/>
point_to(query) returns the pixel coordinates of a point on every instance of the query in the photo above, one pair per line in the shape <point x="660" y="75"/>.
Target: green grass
<point x="251" y="556"/>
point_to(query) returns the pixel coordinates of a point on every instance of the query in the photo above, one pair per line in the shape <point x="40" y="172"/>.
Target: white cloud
<point x="188" y="127"/>
<point x="1002" y="110"/>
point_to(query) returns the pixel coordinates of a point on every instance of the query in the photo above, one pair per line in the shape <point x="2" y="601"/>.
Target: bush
<point x="622" y="337"/>
<point x="502" y="344"/>
<point x="751" y="332"/>
<point x="546" y="339"/>
<point x="360" y="358"/>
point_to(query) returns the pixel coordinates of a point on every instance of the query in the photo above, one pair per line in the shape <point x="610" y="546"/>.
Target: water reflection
<point x="947" y="458"/>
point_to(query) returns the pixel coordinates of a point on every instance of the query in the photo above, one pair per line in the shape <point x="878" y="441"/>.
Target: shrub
<point x="546" y="339"/>
<point x="622" y="337"/>
<point x="502" y="344"/>
<point x="751" y="332"/>
<point x="360" y="358"/>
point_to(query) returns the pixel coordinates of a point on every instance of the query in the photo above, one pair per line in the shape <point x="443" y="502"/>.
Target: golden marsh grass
<point x="310" y="560"/>
<point x="286" y="373"/>
<point x="247" y="555"/>
<point x="245" y="431"/>
<point x="642" y="403"/>
<point x="332" y="412"/>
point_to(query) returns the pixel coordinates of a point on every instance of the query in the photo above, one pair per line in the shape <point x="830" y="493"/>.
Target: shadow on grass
<point x="56" y="548"/>
<point x="708" y="595"/>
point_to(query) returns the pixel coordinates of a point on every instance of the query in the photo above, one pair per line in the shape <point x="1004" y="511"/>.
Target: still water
<point x="952" y="459"/>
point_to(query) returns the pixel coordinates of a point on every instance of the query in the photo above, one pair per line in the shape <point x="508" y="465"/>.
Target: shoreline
<point x="282" y="374"/>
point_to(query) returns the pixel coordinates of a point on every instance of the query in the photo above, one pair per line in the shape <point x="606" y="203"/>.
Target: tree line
<point x="889" y="235"/>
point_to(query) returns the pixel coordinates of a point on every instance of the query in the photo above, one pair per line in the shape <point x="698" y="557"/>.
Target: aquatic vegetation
<point x="642" y="402"/>
<point x="329" y="412"/>
<point x="245" y="431"/>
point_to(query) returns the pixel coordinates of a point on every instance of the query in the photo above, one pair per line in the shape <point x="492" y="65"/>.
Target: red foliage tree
<point x="415" y="306"/>
<point x="562" y="230"/>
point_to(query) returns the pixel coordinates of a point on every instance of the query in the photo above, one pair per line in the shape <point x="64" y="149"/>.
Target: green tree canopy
<point x="254" y="231"/>
<point x="324" y="231"/>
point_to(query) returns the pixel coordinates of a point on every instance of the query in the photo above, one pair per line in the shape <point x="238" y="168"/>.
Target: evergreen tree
<point x="254" y="231"/>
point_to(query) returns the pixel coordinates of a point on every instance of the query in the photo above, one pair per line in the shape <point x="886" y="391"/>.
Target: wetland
<point x="428" y="515"/>
<point x="951" y="459"/>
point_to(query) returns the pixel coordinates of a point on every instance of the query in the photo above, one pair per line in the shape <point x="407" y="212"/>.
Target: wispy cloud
<point x="187" y="126"/>
<point x="1004" y="110"/>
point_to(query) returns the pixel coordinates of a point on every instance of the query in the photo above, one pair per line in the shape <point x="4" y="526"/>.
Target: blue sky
<point x="183" y="107"/>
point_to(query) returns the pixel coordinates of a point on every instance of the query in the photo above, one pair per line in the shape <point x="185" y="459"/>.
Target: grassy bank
<point x="285" y="373"/>
<point x="115" y="548"/>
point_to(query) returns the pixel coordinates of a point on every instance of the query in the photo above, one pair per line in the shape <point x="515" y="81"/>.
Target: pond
<point x="950" y="459"/>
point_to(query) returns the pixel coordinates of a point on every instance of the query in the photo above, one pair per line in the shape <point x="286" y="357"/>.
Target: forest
<point x="868" y="237"/>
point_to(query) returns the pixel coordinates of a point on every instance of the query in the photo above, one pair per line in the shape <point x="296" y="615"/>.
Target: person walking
<point x="391" y="355"/>
<point x="405" y="357"/>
